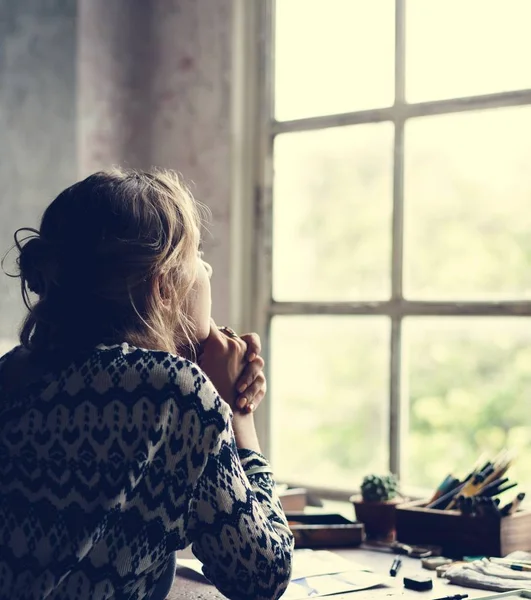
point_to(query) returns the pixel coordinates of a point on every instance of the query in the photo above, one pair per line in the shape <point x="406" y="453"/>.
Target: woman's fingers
<point x="254" y="345"/>
<point x="252" y="340"/>
<point x="250" y="373"/>
<point x="225" y="337"/>
<point x="254" y="394"/>
<point x="228" y="331"/>
<point x="252" y="383"/>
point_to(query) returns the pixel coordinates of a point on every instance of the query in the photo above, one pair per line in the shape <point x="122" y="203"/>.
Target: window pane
<point x="469" y="386"/>
<point x="467" y="194"/>
<point x="333" y="56"/>
<point x="332" y="213"/>
<point x="329" y="378"/>
<point x="463" y="48"/>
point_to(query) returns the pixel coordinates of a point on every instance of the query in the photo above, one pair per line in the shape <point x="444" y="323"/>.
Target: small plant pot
<point x="378" y="517"/>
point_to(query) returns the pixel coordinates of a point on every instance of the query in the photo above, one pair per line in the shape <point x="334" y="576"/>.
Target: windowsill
<point x="343" y="495"/>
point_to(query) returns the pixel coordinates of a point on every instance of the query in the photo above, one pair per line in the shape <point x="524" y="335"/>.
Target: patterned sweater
<point x="111" y="464"/>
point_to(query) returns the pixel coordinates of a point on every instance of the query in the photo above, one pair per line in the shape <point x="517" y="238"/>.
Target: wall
<point x="155" y="90"/>
<point x="89" y="83"/>
<point x="37" y="122"/>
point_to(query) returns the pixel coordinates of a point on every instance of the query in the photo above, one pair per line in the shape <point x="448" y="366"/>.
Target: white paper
<point x="309" y="563"/>
<point x="315" y="573"/>
<point x="324" y="585"/>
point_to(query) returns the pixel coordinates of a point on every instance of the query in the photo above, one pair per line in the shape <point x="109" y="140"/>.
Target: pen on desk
<point x="395" y="567"/>
<point x="501" y="561"/>
<point x="513" y="566"/>
<point x="456" y="597"/>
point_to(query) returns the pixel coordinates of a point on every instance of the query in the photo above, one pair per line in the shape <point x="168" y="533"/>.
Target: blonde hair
<point x="108" y="250"/>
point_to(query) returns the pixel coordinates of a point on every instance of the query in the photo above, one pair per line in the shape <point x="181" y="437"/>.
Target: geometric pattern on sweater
<point x="117" y="460"/>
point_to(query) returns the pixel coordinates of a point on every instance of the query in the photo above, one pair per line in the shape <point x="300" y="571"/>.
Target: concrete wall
<point x="37" y="122"/>
<point x="85" y="84"/>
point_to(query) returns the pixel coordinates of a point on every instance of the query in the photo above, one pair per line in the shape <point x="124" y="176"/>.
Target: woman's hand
<point x="252" y="383"/>
<point x="250" y="386"/>
<point x="223" y="360"/>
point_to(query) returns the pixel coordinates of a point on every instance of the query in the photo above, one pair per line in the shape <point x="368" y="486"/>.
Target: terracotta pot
<point x="378" y="517"/>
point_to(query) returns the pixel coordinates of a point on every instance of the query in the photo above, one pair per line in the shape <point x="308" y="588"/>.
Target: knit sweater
<point x="110" y="464"/>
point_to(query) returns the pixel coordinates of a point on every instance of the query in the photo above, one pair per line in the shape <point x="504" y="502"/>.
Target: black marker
<point x="501" y="489"/>
<point x="456" y="597"/>
<point x="395" y="567"/>
<point x="493" y="484"/>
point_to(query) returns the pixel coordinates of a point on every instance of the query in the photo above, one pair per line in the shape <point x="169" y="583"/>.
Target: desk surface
<point x="380" y="562"/>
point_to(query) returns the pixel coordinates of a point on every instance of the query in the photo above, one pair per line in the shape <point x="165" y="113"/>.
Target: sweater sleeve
<point x="237" y="526"/>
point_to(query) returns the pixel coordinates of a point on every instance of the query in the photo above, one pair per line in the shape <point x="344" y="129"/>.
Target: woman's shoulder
<point x="139" y="358"/>
<point x="160" y="373"/>
<point x="156" y="366"/>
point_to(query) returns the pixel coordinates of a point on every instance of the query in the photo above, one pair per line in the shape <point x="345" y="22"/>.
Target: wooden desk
<point x="379" y="562"/>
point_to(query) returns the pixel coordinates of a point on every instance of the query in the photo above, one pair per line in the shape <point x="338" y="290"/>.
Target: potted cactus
<point x="375" y="508"/>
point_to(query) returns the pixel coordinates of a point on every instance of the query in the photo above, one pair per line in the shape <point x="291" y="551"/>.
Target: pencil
<point x="515" y="566"/>
<point x="439" y="503"/>
<point x="441" y="489"/>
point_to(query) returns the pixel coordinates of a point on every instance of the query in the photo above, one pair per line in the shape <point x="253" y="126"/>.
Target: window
<point x="395" y="211"/>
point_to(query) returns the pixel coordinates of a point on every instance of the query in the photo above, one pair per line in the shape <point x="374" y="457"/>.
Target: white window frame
<point x="255" y="130"/>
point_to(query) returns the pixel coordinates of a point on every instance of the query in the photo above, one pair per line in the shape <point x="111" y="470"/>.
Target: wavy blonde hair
<point x="111" y="250"/>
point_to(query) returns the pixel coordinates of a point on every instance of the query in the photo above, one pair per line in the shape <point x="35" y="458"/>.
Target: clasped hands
<point x="235" y="367"/>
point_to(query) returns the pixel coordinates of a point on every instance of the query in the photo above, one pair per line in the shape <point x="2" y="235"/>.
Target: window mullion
<point x="261" y="301"/>
<point x="396" y="404"/>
